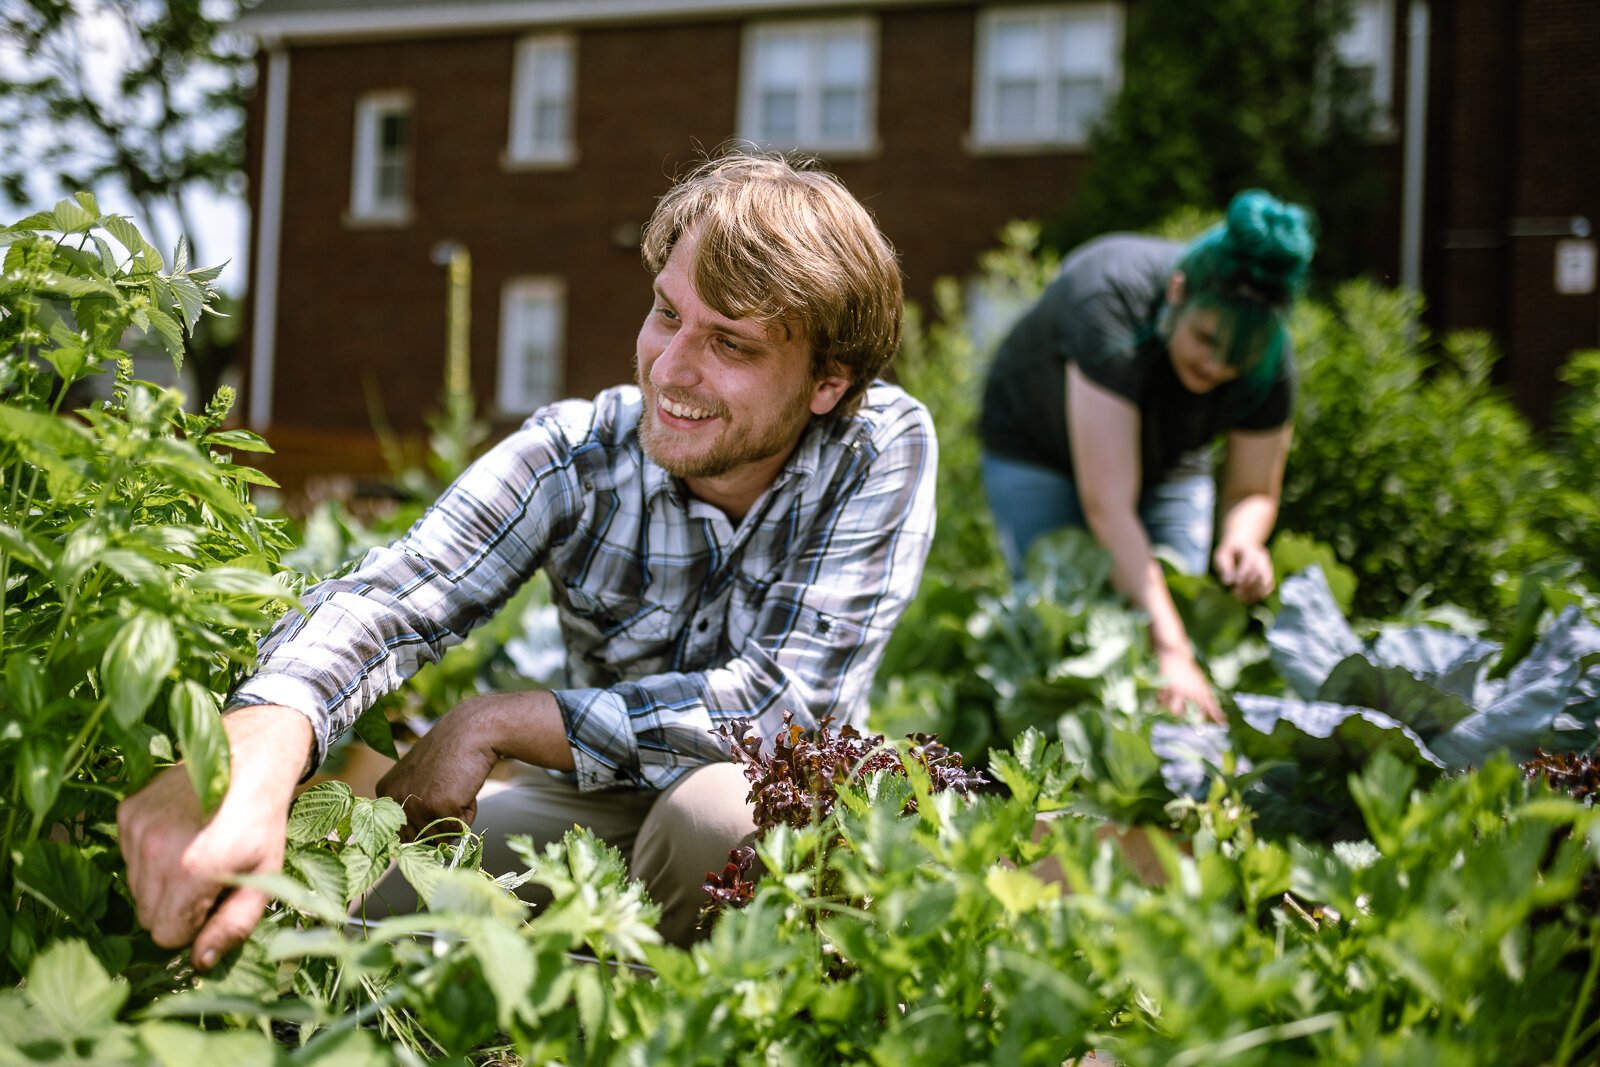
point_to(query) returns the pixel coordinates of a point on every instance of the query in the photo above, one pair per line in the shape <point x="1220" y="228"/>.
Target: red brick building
<point x="536" y="134"/>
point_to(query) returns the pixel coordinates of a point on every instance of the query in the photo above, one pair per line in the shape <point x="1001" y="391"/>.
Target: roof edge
<point x="443" y="17"/>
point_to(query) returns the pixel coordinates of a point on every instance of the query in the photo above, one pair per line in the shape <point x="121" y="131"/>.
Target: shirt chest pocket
<point x="613" y="617"/>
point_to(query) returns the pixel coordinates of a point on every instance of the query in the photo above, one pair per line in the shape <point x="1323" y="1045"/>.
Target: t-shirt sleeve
<point x="1277" y="404"/>
<point x="1099" y="335"/>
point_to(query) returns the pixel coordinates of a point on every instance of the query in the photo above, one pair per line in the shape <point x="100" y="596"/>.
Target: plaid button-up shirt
<point x="675" y="620"/>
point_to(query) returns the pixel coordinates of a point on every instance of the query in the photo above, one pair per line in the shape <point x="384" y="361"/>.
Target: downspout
<point x="269" y="233"/>
<point x="1416" y="147"/>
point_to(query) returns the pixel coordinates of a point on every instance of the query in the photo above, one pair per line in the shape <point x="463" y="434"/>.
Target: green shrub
<point x="1406" y="460"/>
<point x="134" y="574"/>
<point x="1570" y="512"/>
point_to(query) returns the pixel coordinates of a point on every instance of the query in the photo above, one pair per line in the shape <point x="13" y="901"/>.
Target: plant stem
<point x="1585" y="993"/>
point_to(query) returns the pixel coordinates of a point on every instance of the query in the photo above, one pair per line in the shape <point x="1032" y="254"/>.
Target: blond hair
<point x="789" y="247"/>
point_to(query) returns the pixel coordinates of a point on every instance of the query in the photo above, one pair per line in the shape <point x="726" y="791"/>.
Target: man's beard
<point x="735" y="445"/>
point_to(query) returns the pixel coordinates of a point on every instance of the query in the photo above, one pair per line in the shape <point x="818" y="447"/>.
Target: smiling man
<point x="733" y="537"/>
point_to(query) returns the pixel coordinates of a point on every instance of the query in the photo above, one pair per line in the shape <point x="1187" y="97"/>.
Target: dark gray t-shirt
<point x="1100" y="313"/>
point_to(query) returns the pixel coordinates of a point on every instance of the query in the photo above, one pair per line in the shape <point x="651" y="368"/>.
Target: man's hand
<point x="179" y="862"/>
<point x="1186" y="683"/>
<point x="1246" y="568"/>
<point x="440" y="776"/>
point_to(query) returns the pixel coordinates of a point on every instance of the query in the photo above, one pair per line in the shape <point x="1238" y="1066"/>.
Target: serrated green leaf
<point x="291" y="893"/>
<point x="128" y="235"/>
<point x="197" y="721"/>
<point x="189" y="300"/>
<point x="362" y="870"/>
<point x="171" y="334"/>
<point x="375" y="825"/>
<point x="70" y="217"/>
<point x="422" y="868"/>
<point x="319" y="811"/>
<point x="87" y="201"/>
<point x="322" y="871"/>
<point x="136" y="664"/>
<point x="508" y="965"/>
<point x="1018" y="891"/>
<point x="73" y="990"/>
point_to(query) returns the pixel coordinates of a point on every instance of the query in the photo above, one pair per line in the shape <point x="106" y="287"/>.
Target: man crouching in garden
<point x="733" y="537"/>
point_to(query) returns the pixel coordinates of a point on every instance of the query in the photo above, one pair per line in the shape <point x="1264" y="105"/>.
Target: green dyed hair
<point x="1250" y="268"/>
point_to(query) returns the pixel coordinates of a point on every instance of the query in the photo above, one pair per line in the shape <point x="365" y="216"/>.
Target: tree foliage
<point x="140" y="98"/>
<point x="1228" y="95"/>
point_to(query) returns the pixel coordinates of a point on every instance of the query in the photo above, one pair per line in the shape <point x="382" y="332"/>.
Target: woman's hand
<point x="1186" y="683"/>
<point x="1245" y="567"/>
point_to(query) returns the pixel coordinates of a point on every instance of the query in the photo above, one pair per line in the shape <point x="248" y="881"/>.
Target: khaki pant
<point x="670" y="840"/>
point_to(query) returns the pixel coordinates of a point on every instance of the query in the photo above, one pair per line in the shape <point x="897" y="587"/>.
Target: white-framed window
<point x="810" y="85"/>
<point x="1045" y="74"/>
<point x="1366" y="47"/>
<point x="543" y="96"/>
<point x="380" y="181"/>
<point x="532" y="340"/>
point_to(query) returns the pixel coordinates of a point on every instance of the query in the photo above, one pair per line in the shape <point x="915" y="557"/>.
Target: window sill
<point x="989" y="146"/>
<point x="854" y="150"/>
<point x="515" y="164"/>
<point x="394" y="219"/>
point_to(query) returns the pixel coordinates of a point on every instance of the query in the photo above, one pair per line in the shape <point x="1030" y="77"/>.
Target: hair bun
<point x="1275" y="235"/>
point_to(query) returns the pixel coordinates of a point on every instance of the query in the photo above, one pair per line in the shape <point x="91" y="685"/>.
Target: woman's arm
<point x="1252" y="484"/>
<point x="1104" y="432"/>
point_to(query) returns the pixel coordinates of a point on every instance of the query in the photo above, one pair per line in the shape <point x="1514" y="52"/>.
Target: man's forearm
<point x="525" y="726"/>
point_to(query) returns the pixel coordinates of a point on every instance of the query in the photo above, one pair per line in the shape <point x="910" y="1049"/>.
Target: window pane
<point x="1079" y="104"/>
<point x="551" y="72"/>
<point x="840" y="111"/>
<point x="1085" y="45"/>
<point x="1361" y="42"/>
<point x="1016" y="50"/>
<point x="782" y="62"/>
<point x="780" y="114"/>
<point x="844" y="58"/>
<point x="550" y="124"/>
<point x="1017" y="106"/>
<point x="391" y="132"/>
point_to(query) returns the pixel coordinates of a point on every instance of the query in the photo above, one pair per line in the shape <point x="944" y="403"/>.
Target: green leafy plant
<point x="1407" y="460"/>
<point x="134" y="571"/>
<point x="1433" y="697"/>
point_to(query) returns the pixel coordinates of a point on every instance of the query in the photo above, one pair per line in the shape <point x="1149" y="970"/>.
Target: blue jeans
<point x="1029" y="501"/>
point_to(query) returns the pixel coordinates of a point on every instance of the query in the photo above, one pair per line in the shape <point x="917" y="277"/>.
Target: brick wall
<point x="1557" y="175"/>
<point x="1516" y="149"/>
<point x="362" y="308"/>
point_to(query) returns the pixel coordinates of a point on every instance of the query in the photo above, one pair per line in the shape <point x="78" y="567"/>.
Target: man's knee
<point x="688" y="834"/>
